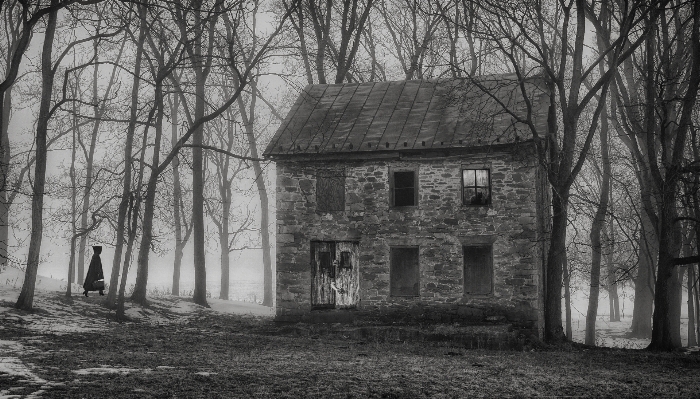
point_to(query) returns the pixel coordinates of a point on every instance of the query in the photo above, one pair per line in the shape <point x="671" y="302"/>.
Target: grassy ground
<point x="209" y="356"/>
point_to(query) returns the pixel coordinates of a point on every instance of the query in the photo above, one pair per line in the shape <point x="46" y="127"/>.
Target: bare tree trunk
<point x="614" y="298"/>
<point x="596" y="228"/>
<point x="140" y="288"/>
<point x="134" y="204"/>
<point x="645" y="280"/>
<point x="126" y="189"/>
<point x="26" y="296"/>
<point x="666" y="319"/>
<point x="223" y="243"/>
<point x="74" y="192"/>
<point x="133" y="213"/>
<point x="696" y="301"/>
<point x="248" y="123"/>
<point x="555" y="261"/>
<point x="692" y="340"/>
<point x="567" y="298"/>
<point x="4" y="174"/>
<point x="200" y="269"/>
<point x="180" y="241"/>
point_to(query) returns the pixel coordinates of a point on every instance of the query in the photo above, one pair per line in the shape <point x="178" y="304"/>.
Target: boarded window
<point x="404" y="188"/>
<point x="478" y="269"/>
<point x="330" y="191"/>
<point x="476" y="186"/>
<point x="404" y="272"/>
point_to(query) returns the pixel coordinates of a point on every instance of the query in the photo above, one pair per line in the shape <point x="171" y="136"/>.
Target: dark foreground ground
<point x="222" y="356"/>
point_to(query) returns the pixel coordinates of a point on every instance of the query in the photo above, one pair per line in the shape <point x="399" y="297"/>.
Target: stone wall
<point x="440" y="225"/>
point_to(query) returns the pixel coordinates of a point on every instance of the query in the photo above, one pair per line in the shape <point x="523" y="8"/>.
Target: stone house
<point x="412" y="201"/>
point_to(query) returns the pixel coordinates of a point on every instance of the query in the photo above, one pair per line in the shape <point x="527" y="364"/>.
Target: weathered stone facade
<point x="440" y="225"/>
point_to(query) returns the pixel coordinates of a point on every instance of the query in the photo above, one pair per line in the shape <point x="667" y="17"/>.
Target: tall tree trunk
<point x="567" y="298"/>
<point x="26" y="296"/>
<point x="555" y="260"/>
<point x="74" y="192"/>
<point x="614" y="298"/>
<point x="692" y="340"/>
<point x="180" y="241"/>
<point x="133" y="221"/>
<point x="5" y="108"/>
<point x="595" y="235"/>
<point x="223" y="243"/>
<point x="140" y="288"/>
<point x="645" y="280"/>
<point x="126" y="188"/>
<point x="696" y="302"/>
<point x="667" y="303"/>
<point x="665" y="333"/>
<point x="249" y="124"/>
<point x="133" y="214"/>
<point x="200" y="269"/>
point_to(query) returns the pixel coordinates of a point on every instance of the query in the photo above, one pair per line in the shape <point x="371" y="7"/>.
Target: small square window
<point x="404" y="272"/>
<point x="404" y="188"/>
<point x="476" y="186"/>
<point x="330" y="191"/>
<point x="478" y="269"/>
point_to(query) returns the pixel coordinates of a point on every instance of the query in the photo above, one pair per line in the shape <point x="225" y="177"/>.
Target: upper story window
<point x="330" y="190"/>
<point x="404" y="187"/>
<point x="476" y="186"/>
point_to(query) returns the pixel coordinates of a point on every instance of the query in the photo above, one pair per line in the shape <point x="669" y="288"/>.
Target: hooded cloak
<point x="94" y="271"/>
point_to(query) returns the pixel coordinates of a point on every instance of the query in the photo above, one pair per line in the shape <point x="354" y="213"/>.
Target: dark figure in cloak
<point x="94" y="273"/>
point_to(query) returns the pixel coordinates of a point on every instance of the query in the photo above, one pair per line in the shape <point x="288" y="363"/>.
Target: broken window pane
<point x="404" y="188"/>
<point x="476" y="187"/>
<point x="404" y="272"/>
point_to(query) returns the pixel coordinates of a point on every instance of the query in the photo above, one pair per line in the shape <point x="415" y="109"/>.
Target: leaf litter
<point x="174" y="348"/>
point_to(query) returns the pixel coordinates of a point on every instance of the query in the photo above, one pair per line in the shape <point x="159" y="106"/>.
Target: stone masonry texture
<point x="440" y="225"/>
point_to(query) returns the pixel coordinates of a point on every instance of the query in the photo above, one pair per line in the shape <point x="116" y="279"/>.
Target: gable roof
<point x="407" y="115"/>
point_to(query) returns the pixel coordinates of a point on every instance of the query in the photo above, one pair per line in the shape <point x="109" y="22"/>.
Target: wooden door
<point x="334" y="274"/>
<point x="322" y="274"/>
<point x="347" y="282"/>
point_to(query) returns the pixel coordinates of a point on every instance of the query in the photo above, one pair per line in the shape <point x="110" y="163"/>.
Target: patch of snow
<point x="14" y="278"/>
<point x="104" y="369"/>
<point x="242" y="308"/>
<point x="10" y="346"/>
<point x="206" y="373"/>
<point x="14" y="367"/>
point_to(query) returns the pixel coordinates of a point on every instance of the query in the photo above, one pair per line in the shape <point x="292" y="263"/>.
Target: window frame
<point x="463" y="187"/>
<point x="392" y="194"/>
<point x="330" y="174"/>
<point x="392" y="272"/>
<point x="489" y="247"/>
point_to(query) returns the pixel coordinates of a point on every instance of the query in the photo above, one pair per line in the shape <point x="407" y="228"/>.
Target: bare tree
<point x="657" y="122"/>
<point x="546" y="39"/>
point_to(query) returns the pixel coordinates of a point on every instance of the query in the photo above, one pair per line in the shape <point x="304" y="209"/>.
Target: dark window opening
<point x="330" y="191"/>
<point x="326" y="264"/>
<point x="478" y="270"/>
<point x="404" y="272"/>
<point x="476" y="186"/>
<point x="404" y="188"/>
<point x="345" y="260"/>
